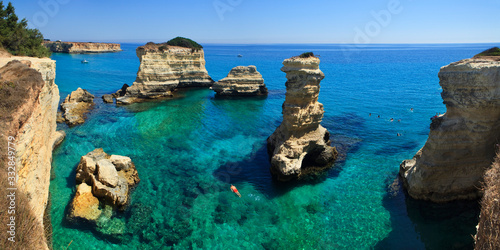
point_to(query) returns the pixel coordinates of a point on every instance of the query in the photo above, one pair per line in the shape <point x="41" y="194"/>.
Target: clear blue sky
<point x="266" y="21"/>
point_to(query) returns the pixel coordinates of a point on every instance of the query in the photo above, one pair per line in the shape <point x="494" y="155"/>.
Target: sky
<point x="265" y="21"/>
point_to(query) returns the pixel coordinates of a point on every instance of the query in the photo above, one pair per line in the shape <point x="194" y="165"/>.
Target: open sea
<point x="189" y="149"/>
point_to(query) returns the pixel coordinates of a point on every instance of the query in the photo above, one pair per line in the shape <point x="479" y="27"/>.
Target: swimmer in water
<point x="233" y="188"/>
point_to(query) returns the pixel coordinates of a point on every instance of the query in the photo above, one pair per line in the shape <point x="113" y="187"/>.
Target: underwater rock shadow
<point x="256" y="170"/>
<point x="418" y="224"/>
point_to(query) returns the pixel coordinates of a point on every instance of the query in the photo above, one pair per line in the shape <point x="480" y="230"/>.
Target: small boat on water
<point x="239" y="55"/>
<point x="85" y="61"/>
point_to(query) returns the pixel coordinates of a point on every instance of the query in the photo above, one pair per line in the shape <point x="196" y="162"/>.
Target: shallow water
<point x="188" y="149"/>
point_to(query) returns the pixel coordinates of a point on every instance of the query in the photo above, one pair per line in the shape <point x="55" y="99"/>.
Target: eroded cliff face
<point x="241" y="81"/>
<point x="81" y="48"/>
<point x="164" y="68"/>
<point x="300" y="145"/>
<point x="29" y="114"/>
<point x="461" y="143"/>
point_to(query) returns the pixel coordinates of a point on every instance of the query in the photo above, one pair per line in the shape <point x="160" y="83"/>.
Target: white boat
<point x="85" y="61"/>
<point x="239" y="55"/>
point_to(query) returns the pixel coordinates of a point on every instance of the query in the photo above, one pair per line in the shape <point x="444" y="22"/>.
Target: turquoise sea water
<point x="189" y="149"/>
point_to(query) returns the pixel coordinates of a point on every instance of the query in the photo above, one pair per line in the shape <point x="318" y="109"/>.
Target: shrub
<point x="185" y="42"/>
<point x="495" y="51"/>
<point x="15" y="36"/>
<point x="307" y="55"/>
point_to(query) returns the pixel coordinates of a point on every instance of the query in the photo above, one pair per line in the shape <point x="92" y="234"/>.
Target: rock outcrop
<point x="105" y="179"/>
<point x="163" y="69"/>
<point x="461" y="143"/>
<point x="29" y="98"/>
<point x="76" y="105"/>
<point x="300" y="145"/>
<point x="241" y="81"/>
<point x="81" y="48"/>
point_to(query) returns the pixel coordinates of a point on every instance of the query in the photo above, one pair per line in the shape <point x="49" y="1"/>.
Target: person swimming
<point x="233" y="188"/>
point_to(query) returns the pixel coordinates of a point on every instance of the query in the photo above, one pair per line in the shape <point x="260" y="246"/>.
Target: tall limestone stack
<point x="241" y="81"/>
<point x="461" y="143"/>
<point x="300" y="145"/>
<point x="29" y="106"/>
<point x="164" y="68"/>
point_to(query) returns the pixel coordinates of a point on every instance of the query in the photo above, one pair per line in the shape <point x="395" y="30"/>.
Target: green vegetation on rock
<point x="185" y="42"/>
<point x="16" y="37"/>
<point x="307" y="55"/>
<point x="495" y="51"/>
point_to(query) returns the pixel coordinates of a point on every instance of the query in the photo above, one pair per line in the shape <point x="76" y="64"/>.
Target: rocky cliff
<point x="461" y="143"/>
<point x="164" y="68"/>
<point x="300" y="145"/>
<point x="29" y="105"/>
<point x="81" y="48"/>
<point x="241" y="81"/>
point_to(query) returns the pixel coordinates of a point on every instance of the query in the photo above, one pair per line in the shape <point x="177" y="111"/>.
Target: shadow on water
<point x="255" y="170"/>
<point x="438" y="226"/>
<point x="399" y="147"/>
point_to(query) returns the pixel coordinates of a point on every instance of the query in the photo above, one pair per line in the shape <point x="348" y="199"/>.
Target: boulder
<point x="107" y="98"/>
<point x="84" y="206"/>
<point x="75" y="106"/>
<point x="106" y="173"/>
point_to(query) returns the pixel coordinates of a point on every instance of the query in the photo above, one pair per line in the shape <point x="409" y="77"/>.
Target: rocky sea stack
<point x="300" y="145"/>
<point x="461" y="143"/>
<point x="75" y="106"/>
<point x="241" y="81"/>
<point x="164" y="67"/>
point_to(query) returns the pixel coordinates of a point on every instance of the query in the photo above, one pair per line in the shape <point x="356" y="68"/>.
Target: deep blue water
<point x="188" y="149"/>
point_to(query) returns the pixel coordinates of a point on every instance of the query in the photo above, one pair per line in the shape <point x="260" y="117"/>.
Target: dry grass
<point x="29" y="233"/>
<point x="488" y="234"/>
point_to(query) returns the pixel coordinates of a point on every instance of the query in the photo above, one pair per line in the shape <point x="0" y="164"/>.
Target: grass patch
<point x="488" y="236"/>
<point x="307" y="55"/>
<point x="495" y="51"/>
<point x="185" y="42"/>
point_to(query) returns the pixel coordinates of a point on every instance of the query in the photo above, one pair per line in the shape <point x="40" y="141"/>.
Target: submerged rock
<point x="163" y="69"/>
<point x="102" y="182"/>
<point x="75" y="106"/>
<point x="461" y="143"/>
<point x="107" y="98"/>
<point x="241" y="81"/>
<point x="300" y="145"/>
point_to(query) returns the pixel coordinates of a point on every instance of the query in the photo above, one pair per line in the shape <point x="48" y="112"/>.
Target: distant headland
<point x="81" y="47"/>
